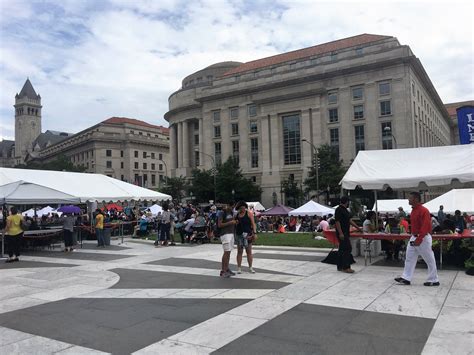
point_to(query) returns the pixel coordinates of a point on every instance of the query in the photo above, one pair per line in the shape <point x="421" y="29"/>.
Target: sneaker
<point x="348" y="271"/>
<point x="402" y="281"/>
<point x="252" y="271"/>
<point x="231" y="272"/>
<point x="239" y="270"/>
<point x="431" y="283"/>
<point x="224" y="274"/>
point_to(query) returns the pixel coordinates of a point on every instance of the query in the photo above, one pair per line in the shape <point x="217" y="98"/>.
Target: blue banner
<point x="466" y="124"/>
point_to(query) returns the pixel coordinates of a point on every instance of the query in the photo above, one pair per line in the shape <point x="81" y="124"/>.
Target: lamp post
<point x="314" y="153"/>
<point x="233" y="194"/>
<point x="389" y="131"/>
<point x="214" y="170"/>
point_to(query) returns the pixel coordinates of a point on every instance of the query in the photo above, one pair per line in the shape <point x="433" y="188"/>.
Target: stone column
<point x="180" y="145"/>
<point x="201" y="141"/>
<point x="173" y="148"/>
<point x="185" y="144"/>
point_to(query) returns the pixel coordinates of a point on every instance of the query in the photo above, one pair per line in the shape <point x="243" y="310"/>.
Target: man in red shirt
<point x="419" y="244"/>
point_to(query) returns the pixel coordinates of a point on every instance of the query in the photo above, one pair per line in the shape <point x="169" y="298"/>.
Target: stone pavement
<point x="140" y="299"/>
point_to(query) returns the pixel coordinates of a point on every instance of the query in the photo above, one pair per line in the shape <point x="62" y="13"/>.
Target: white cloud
<point x="91" y="60"/>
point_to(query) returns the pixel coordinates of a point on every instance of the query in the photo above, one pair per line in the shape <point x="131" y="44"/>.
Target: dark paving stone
<point x="205" y="264"/>
<point x="32" y="264"/>
<point x="152" y="279"/>
<point x="328" y="330"/>
<point x="90" y="246"/>
<point x="78" y="255"/>
<point x="401" y="264"/>
<point x="288" y="257"/>
<point x="118" y="326"/>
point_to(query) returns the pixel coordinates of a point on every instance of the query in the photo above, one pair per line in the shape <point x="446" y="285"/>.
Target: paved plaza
<point x="139" y="299"/>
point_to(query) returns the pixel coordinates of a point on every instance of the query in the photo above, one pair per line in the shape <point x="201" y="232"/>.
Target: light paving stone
<point x="197" y="293"/>
<point x="78" y="350"/>
<point x="8" y="336"/>
<point x="108" y="293"/>
<point x="34" y="345"/>
<point x="456" y="319"/>
<point x="243" y="293"/>
<point x="442" y="342"/>
<point x="14" y="304"/>
<point x="463" y="282"/>
<point x="460" y="298"/>
<point x="265" y="307"/>
<point x="218" y="331"/>
<point x="152" y="293"/>
<point x="173" y="347"/>
<point x="65" y="292"/>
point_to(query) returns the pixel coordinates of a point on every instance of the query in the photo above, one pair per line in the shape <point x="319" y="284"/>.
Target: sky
<point x="94" y="59"/>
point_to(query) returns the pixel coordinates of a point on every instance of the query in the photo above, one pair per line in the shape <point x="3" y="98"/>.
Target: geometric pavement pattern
<point x="138" y="299"/>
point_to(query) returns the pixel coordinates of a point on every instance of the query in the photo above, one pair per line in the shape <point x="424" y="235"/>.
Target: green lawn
<point x="291" y="240"/>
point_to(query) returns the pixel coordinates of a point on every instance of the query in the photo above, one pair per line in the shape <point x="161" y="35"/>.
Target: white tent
<point x="257" y="206"/>
<point x="85" y="187"/>
<point x="312" y="208"/>
<point x="391" y="206"/>
<point x="29" y="213"/>
<point x="21" y="192"/>
<point x="456" y="199"/>
<point x="155" y="209"/>
<point x="405" y="168"/>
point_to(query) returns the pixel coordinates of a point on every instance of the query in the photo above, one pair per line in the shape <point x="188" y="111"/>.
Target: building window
<point x="144" y="155"/>
<point x="254" y="179"/>
<point x="387" y="135"/>
<point x="235" y="129"/>
<point x="153" y="179"/>
<point x="234" y="113"/>
<point x="357" y="93"/>
<point x="160" y="167"/>
<point x="333" y="115"/>
<point x="254" y="152"/>
<point x="359" y="138"/>
<point x="144" y="166"/>
<point x="385" y="108"/>
<point x="358" y="112"/>
<point x="121" y="165"/>
<point x="332" y="97"/>
<point x="292" y="66"/>
<point x="153" y="166"/>
<point x="252" y="110"/>
<point x="160" y="156"/>
<point x="209" y="78"/>
<point x="253" y="127"/>
<point x="413" y="88"/>
<point x="196" y="158"/>
<point x="152" y="155"/>
<point x="108" y="164"/>
<point x="196" y="139"/>
<point x="122" y="177"/>
<point x="217" y="153"/>
<point x="384" y="89"/>
<point x="235" y="151"/>
<point x="136" y="165"/>
<point x="121" y="154"/>
<point x="217" y="131"/>
<point x="216" y="116"/>
<point x="291" y="140"/>
<point x="359" y="51"/>
<point x="333" y="56"/>
<point x="136" y="154"/>
<point x="132" y="132"/>
<point x="334" y="139"/>
<point x="196" y="126"/>
<point x="140" y="133"/>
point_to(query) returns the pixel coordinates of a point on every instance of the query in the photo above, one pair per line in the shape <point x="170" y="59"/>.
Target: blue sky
<point x="91" y="60"/>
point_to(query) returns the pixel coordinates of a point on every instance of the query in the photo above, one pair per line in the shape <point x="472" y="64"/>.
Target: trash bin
<point x="107" y="233"/>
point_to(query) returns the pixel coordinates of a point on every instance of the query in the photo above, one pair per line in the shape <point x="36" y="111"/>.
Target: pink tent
<point x="278" y="210"/>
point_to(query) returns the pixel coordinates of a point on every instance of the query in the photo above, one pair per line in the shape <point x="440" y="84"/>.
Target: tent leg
<point x="376" y="211"/>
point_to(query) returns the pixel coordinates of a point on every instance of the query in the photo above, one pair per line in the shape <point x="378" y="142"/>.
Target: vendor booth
<point x="312" y="208"/>
<point x="456" y="199"/>
<point x="391" y="206"/>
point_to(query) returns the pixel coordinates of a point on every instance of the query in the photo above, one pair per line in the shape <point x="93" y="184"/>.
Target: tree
<point x="202" y="185"/>
<point x="175" y="187"/>
<point x="330" y="171"/>
<point x="293" y="193"/>
<point x="61" y="163"/>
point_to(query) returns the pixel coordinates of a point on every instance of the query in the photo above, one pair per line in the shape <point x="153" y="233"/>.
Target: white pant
<point x="227" y="241"/>
<point x="424" y="249"/>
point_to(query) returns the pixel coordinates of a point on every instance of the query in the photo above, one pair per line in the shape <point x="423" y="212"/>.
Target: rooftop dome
<point x="207" y="75"/>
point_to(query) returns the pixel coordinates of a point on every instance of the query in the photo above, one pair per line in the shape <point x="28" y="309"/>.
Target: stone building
<point x="128" y="149"/>
<point x="362" y="92"/>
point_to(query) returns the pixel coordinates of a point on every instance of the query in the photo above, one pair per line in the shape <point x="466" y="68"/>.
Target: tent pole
<point x="376" y="211"/>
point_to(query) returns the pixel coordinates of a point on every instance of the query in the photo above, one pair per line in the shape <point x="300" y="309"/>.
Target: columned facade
<point x="350" y="94"/>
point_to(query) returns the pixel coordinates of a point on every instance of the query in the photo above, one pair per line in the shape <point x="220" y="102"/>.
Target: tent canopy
<point x="81" y="186"/>
<point x="257" y="206"/>
<point x="456" y="199"/>
<point x="391" y="206"/>
<point x="312" y="208"/>
<point x="21" y="192"/>
<point x="155" y="209"/>
<point x="278" y="210"/>
<point x="406" y="168"/>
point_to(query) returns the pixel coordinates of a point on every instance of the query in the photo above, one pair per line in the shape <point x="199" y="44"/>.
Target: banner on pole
<point x="466" y="124"/>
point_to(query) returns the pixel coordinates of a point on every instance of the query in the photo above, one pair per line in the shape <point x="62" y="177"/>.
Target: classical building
<point x="451" y="108"/>
<point x="128" y="149"/>
<point x="362" y="92"/>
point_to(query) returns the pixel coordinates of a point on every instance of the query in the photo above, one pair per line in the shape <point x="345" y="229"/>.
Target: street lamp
<point x="214" y="170"/>
<point x="388" y="129"/>
<point x="314" y="153"/>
